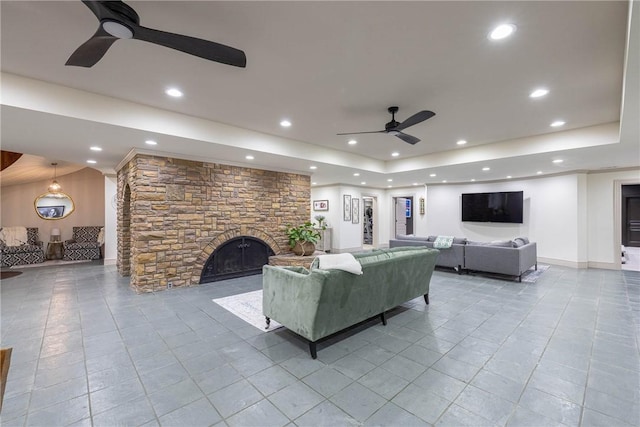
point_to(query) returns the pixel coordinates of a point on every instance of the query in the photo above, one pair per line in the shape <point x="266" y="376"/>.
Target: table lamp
<point x="55" y="234"/>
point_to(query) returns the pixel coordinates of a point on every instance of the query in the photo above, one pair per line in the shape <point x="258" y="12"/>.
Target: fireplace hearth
<point x="237" y="257"/>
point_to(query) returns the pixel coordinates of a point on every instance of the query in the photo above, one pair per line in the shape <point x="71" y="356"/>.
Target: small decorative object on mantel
<point x="303" y="238"/>
<point x="421" y="205"/>
<point x="55" y="235"/>
<point x="355" y="211"/>
<point x="320" y="205"/>
<point x="321" y="221"/>
<point x="346" y="202"/>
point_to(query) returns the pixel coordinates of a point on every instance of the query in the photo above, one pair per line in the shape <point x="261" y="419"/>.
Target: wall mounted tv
<point x="503" y="206"/>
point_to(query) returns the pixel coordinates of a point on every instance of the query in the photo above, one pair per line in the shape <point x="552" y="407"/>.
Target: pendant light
<point x="55" y="187"/>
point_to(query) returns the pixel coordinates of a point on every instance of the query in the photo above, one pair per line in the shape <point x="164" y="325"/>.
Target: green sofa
<point x="317" y="303"/>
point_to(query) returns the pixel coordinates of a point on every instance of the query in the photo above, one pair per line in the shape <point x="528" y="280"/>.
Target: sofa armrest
<point x="291" y="295"/>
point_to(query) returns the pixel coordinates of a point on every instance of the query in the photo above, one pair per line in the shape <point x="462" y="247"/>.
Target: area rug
<point x="531" y="275"/>
<point x="52" y="263"/>
<point x="9" y="274"/>
<point x="248" y="307"/>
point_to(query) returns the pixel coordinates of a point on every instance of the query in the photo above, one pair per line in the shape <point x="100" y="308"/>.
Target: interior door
<point x="401" y="218"/>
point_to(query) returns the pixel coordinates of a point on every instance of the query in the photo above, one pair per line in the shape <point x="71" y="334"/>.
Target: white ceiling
<point x="333" y="67"/>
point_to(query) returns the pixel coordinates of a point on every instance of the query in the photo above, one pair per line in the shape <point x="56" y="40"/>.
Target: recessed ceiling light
<point x="93" y="162"/>
<point x="313" y="167"/>
<point x="473" y="180"/>
<point x="415" y="183"/>
<point x="538" y="93"/>
<point x="461" y="142"/>
<point x="94" y="148"/>
<point x="314" y="183"/>
<point x="539" y="172"/>
<point x="352" y="142"/>
<point x="502" y="31"/>
<point x="390" y="180"/>
<point x="389" y="186"/>
<point x="356" y="174"/>
<point x="395" y="154"/>
<point x="249" y="157"/>
<point x="285" y="123"/>
<point x="486" y="169"/>
<point x="363" y="182"/>
<point x="150" y="142"/>
<point x="558" y="123"/>
<point x="558" y="161"/>
<point x="432" y="175"/>
<point x="444" y="181"/>
<point x="173" y="92"/>
<point x="508" y="176"/>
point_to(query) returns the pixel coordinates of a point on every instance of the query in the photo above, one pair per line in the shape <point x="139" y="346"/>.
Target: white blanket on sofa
<point x="14" y="236"/>
<point x="443" y="242"/>
<point x="345" y="262"/>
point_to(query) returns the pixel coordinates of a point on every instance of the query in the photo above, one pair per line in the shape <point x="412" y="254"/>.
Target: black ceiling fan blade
<point x="193" y="46"/>
<point x="91" y="51"/>
<point x="407" y="138"/>
<point x="358" y="133"/>
<point x="415" y="119"/>
<point x="100" y="10"/>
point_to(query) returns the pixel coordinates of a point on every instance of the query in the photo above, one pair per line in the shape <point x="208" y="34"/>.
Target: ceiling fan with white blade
<point x="120" y="21"/>
<point x="395" y="128"/>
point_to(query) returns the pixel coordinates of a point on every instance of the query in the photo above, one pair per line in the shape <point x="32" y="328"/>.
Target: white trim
<point x="563" y="262"/>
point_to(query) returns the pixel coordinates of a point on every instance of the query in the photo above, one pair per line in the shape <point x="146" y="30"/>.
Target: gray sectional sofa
<point x="509" y="257"/>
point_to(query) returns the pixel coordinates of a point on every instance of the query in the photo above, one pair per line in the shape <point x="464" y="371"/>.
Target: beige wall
<point x="86" y="188"/>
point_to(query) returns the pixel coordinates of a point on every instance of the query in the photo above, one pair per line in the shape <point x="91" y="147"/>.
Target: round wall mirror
<point x="54" y="206"/>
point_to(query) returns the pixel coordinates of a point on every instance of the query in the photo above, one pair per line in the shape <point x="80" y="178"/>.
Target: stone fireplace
<point x="183" y="222"/>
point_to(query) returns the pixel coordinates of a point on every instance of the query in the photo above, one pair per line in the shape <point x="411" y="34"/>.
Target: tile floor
<point x="486" y="352"/>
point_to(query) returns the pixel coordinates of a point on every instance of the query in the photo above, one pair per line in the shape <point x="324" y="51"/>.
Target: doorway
<point x="369" y="222"/>
<point x="630" y="227"/>
<point x="403" y="215"/>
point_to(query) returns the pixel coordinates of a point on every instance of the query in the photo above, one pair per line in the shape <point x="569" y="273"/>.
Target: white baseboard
<point x="563" y="262"/>
<point x="604" y="265"/>
<point x="110" y="261"/>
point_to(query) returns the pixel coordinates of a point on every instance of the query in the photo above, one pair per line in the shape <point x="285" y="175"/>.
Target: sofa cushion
<point x="459" y="240"/>
<point x="412" y="237"/>
<point x="502" y="243"/>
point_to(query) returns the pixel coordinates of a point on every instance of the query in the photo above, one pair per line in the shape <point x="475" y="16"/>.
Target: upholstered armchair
<point x="84" y="244"/>
<point x="29" y="252"/>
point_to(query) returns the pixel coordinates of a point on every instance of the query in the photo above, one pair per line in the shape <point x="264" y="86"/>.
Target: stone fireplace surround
<point x="174" y="213"/>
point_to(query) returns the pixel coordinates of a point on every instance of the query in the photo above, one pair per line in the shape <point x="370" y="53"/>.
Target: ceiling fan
<point x="395" y="128"/>
<point x="120" y="21"/>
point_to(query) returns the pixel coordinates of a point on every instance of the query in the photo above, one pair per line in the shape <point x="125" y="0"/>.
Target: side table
<point x="55" y="250"/>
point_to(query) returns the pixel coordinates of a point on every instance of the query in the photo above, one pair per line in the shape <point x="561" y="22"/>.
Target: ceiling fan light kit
<point x="395" y="128"/>
<point x="120" y="21"/>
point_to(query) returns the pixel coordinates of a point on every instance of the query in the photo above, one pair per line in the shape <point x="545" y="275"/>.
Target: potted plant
<point x="303" y="238"/>
<point x="321" y="221"/>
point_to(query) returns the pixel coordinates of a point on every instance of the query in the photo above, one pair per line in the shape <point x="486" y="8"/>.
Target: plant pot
<point x="304" y="248"/>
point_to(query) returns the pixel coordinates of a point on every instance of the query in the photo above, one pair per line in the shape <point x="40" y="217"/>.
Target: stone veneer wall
<point x="179" y="211"/>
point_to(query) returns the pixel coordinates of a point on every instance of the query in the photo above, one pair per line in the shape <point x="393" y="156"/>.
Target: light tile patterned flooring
<point x="486" y="352"/>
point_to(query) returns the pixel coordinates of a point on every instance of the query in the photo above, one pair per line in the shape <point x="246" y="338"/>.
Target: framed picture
<point x="421" y="205"/>
<point x="408" y="208"/>
<point x="346" y="202"/>
<point x="51" y="211"/>
<point x="355" y="211"/>
<point x="320" y="205"/>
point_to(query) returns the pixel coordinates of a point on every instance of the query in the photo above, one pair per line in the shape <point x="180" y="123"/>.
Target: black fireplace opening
<point x="237" y="257"/>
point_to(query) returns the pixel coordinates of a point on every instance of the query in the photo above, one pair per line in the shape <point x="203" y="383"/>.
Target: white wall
<point x="551" y="215"/>
<point x="110" y="220"/>
<point x="572" y="218"/>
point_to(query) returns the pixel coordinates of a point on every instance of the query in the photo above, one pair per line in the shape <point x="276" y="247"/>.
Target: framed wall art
<point x="346" y="202"/>
<point x="320" y="205"/>
<point x="355" y="211"/>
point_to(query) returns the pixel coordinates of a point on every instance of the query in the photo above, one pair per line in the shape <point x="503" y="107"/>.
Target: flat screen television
<point x="503" y="206"/>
